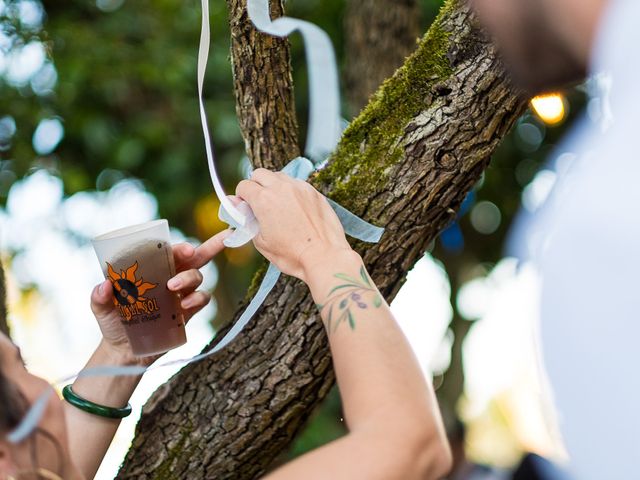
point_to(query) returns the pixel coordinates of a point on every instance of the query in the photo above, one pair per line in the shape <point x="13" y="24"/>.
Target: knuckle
<point x="259" y="241"/>
<point x="191" y="277"/>
<point x="302" y="184"/>
<point x="241" y="186"/>
<point x="259" y="172"/>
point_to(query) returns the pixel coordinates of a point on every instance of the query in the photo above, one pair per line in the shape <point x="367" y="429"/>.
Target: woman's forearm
<point x="395" y="430"/>
<point x="91" y="435"/>
<point x="382" y="386"/>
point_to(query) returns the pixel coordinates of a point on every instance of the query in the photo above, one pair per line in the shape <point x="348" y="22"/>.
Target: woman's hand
<point x="298" y="227"/>
<point x="186" y="282"/>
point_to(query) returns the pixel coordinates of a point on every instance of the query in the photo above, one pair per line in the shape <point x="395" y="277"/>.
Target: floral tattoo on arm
<point x="347" y="297"/>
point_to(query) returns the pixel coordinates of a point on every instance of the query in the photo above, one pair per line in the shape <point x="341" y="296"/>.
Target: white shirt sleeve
<point x="591" y="311"/>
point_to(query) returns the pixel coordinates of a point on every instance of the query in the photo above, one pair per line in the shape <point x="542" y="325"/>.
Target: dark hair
<point x="14" y="404"/>
<point x="13" y="407"/>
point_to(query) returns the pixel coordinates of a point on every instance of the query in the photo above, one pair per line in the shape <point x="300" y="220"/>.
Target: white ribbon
<point x="324" y="92"/>
<point x="203" y="56"/>
<point x="324" y="133"/>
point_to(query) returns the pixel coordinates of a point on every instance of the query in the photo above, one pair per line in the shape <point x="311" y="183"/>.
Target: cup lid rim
<point x="124" y="231"/>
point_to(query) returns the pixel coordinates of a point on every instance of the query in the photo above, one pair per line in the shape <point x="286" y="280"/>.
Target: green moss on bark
<point x="175" y="454"/>
<point x="370" y="145"/>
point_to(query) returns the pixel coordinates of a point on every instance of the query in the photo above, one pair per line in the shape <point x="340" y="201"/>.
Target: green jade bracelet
<point x="93" y="408"/>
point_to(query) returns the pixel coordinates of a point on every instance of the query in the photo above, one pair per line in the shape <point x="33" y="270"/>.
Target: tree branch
<point x="386" y="30"/>
<point x="4" y="327"/>
<point x="264" y="89"/>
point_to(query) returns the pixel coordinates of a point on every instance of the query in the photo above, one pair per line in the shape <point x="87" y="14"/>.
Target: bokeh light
<point x="551" y="109"/>
<point x="47" y="136"/>
<point x="486" y="217"/>
<point x="24" y="62"/>
<point x="109" y="5"/>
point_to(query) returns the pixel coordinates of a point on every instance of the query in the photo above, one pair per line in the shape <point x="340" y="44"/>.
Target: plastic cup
<point x="138" y="260"/>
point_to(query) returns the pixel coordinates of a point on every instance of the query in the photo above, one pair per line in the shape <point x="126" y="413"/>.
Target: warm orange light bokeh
<point x="551" y="108"/>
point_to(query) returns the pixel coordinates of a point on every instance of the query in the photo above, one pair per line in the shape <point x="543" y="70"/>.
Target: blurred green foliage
<point x="126" y="95"/>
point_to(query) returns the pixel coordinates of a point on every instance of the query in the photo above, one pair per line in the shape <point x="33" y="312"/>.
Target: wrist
<point x="118" y="356"/>
<point x="319" y="272"/>
<point x="108" y="391"/>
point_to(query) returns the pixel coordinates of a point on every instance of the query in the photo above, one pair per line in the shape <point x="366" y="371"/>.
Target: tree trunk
<point x="4" y="327"/>
<point x="384" y="30"/>
<point x="264" y="89"/>
<point x="452" y="386"/>
<point x="406" y="163"/>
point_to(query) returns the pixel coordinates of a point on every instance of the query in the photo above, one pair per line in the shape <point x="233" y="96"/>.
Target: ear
<point x="7" y="464"/>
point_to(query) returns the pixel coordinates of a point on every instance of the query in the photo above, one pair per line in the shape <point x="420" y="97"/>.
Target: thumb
<point x="102" y="298"/>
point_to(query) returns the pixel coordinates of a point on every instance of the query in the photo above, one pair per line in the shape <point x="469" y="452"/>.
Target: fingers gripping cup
<point x="138" y="261"/>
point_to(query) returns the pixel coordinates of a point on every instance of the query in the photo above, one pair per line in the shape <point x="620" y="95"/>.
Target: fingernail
<point x="173" y="284"/>
<point x="101" y="289"/>
<point x="186" y="303"/>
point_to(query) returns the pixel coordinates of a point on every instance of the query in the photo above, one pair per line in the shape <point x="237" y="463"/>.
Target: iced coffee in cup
<point x="138" y="261"/>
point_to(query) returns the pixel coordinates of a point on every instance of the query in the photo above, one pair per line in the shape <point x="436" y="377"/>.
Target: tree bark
<point x="264" y="89"/>
<point x="406" y="163"/>
<point x="452" y="386"/>
<point x="384" y="30"/>
<point x="4" y="327"/>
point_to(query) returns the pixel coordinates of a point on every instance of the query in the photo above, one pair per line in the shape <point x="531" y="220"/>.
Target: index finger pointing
<point x="182" y="252"/>
<point x="209" y="249"/>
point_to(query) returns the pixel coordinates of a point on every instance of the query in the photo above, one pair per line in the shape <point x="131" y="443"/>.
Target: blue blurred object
<point x="535" y="467"/>
<point x="451" y="238"/>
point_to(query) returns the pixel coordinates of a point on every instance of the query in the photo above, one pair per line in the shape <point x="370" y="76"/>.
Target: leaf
<point x="329" y="320"/>
<point x="340" y="319"/>
<point x="346" y="285"/>
<point x="113" y="276"/>
<point x="343" y="303"/>
<point x="131" y="272"/>
<point x="377" y="301"/>
<point x="365" y="277"/>
<point x="145" y="287"/>
<point x="319" y="306"/>
<point x="347" y="278"/>
<point x="352" y="322"/>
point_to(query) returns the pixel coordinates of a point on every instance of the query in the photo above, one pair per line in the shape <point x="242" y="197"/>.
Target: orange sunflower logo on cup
<point x="128" y="290"/>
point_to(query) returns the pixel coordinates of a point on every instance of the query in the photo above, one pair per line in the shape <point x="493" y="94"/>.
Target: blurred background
<point x="99" y="129"/>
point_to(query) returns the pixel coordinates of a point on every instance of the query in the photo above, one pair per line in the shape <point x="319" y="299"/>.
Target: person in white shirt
<point x="584" y="239"/>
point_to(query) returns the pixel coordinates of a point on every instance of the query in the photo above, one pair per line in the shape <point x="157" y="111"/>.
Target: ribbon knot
<point x="300" y="168"/>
